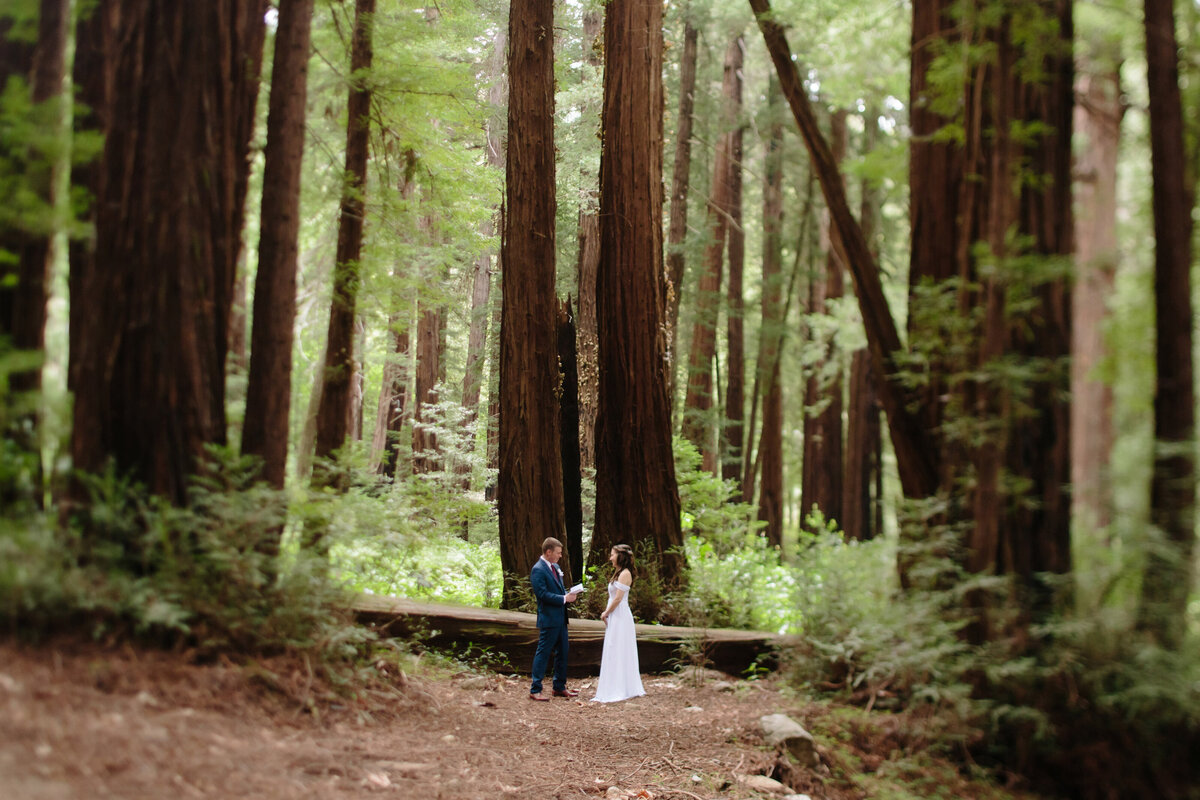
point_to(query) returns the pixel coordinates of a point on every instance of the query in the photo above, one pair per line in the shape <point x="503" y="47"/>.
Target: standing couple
<point x="620" y="678"/>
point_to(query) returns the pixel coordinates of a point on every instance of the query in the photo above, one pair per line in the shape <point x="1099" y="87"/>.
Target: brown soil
<point x="82" y="721"/>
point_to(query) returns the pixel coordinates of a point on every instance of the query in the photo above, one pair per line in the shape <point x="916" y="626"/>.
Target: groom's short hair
<point x="550" y="544"/>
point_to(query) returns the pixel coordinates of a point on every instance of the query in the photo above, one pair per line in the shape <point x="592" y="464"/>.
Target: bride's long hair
<point x="624" y="560"/>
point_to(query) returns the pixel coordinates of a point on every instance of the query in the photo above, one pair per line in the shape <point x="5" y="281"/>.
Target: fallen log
<point x="506" y="640"/>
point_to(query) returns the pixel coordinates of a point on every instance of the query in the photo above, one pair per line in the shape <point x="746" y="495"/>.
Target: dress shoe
<point x="566" y="693"/>
<point x="540" y="697"/>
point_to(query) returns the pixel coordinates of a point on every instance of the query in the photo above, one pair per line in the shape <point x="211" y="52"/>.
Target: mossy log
<point x="506" y="640"/>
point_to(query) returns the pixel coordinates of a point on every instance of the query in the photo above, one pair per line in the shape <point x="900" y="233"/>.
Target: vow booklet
<point x="577" y="589"/>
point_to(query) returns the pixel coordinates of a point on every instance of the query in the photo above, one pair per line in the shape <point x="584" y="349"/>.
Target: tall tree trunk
<point x="24" y="286"/>
<point x="481" y="289"/>
<point x="915" y="456"/>
<point x="389" y="414"/>
<point x="335" y="412"/>
<point x="589" y="259"/>
<point x="150" y="389"/>
<point x="1098" y="113"/>
<point x="697" y="425"/>
<point x="935" y="172"/>
<point x="429" y="358"/>
<point x="1011" y="536"/>
<point x="530" y="480"/>
<point x="636" y="494"/>
<point x="733" y="431"/>
<point x="770" y="449"/>
<point x="269" y="390"/>
<point x="680" y="179"/>
<point x="1167" y="579"/>
<point x="823" y="466"/>
<point x="864" y="445"/>
<point x="569" y="416"/>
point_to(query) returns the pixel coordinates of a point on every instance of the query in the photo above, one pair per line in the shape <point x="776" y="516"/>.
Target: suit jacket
<point x="551" y="600"/>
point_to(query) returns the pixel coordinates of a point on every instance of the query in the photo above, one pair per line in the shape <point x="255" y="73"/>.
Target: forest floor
<point x="81" y="720"/>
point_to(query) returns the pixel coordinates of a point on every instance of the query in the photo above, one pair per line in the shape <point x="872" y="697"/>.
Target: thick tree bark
<point x="915" y="456"/>
<point x="1009" y="534"/>
<point x="770" y="449"/>
<point x="150" y="390"/>
<point x="636" y="494"/>
<point x="733" y="433"/>
<point x="680" y="179"/>
<point x="334" y="413"/>
<point x="1098" y="113"/>
<point x="1167" y="579"/>
<point x="823" y="465"/>
<point x="530" y="480"/>
<point x="589" y="260"/>
<point x="698" y="422"/>
<point x="269" y="391"/>
<point x="935" y="173"/>
<point x="389" y="414"/>
<point x="569" y="416"/>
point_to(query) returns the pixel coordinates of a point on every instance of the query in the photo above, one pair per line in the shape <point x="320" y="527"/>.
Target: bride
<point x="620" y="678"/>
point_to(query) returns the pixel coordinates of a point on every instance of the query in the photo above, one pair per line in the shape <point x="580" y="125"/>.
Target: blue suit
<point x="550" y="591"/>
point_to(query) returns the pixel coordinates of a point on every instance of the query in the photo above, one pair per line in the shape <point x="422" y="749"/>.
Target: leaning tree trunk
<point x="1167" y="579"/>
<point x="697" y="426"/>
<point x="916" y="459"/>
<point x="530" y="480"/>
<point x="770" y="449"/>
<point x="1098" y="113"/>
<point x="733" y="434"/>
<point x="150" y="367"/>
<point x="269" y="391"/>
<point x="636" y="494"/>
<point x="680" y="179"/>
<point x="334" y="412"/>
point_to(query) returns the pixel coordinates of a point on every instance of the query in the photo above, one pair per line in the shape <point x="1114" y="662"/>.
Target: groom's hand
<point x="570" y="598"/>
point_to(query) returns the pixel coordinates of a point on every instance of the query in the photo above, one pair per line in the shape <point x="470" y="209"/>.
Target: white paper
<point x="576" y="589"/>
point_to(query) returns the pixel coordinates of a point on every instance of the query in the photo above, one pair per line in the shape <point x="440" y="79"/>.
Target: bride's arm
<point x="623" y="584"/>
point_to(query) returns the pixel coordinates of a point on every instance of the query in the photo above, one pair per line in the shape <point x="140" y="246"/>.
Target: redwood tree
<point x="636" y="495"/>
<point x="733" y="430"/>
<point x="1167" y="579"/>
<point x="335" y="411"/>
<point x="1098" y="113"/>
<point x="770" y="449"/>
<point x="269" y="391"/>
<point x="149" y="369"/>
<point x="697" y="426"/>
<point x="680" y="180"/>
<point x="822" y="468"/>
<point x="530" y="487"/>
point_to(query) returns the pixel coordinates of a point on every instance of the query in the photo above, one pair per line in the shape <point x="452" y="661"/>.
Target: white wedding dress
<point x="620" y="677"/>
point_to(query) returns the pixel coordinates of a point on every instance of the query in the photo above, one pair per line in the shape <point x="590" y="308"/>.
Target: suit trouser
<point x="551" y="640"/>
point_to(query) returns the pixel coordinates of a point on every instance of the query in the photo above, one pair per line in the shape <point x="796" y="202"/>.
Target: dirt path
<point x="83" y="722"/>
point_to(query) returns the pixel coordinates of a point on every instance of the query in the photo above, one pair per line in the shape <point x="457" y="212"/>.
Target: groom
<point x="552" y="597"/>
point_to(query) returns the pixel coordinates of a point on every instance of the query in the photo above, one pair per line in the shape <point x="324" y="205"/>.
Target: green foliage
<point x="128" y="562"/>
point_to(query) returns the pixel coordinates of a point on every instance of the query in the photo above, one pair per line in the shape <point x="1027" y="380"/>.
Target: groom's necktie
<point x="557" y="577"/>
